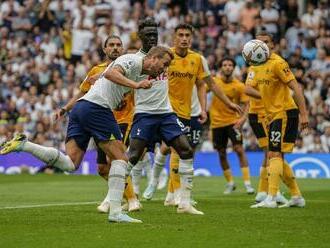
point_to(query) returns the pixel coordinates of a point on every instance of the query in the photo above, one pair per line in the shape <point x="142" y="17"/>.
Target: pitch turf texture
<point x="34" y="212"/>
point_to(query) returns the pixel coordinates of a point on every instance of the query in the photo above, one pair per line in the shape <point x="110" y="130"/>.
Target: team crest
<point x="251" y="75"/>
<point x="128" y="64"/>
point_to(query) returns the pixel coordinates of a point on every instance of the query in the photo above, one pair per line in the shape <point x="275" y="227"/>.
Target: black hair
<point x="184" y="26"/>
<point x="264" y="33"/>
<point x="147" y="22"/>
<point x="227" y="59"/>
<point x="111" y="37"/>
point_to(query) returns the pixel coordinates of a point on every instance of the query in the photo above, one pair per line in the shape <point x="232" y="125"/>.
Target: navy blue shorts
<point x="156" y="127"/>
<point x="88" y="120"/>
<point x="195" y="131"/>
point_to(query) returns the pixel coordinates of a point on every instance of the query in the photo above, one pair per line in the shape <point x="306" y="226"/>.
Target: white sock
<point x="186" y="172"/>
<point x="147" y="166"/>
<point x="129" y="168"/>
<point x="270" y="198"/>
<point x="231" y="183"/>
<point x="50" y="156"/>
<point x="247" y="183"/>
<point x="116" y="185"/>
<point x="136" y="175"/>
<point x="159" y="164"/>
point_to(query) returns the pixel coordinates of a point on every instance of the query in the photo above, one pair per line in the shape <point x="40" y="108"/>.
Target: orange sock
<point x="246" y="174"/>
<point x="290" y="180"/>
<point x="174" y="167"/>
<point x="263" y="180"/>
<point x="170" y="188"/>
<point x="228" y="176"/>
<point x="275" y="174"/>
<point x="129" y="192"/>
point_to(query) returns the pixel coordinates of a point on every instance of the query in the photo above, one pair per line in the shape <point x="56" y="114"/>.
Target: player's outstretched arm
<point x="252" y="92"/>
<point x="219" y="93"/>
<point x="60" y="112"/>
<point x="116" y="75"/>
<point x="299" y="99"/>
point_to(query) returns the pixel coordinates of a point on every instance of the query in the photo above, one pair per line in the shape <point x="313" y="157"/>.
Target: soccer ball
<point x="255" y="52"/>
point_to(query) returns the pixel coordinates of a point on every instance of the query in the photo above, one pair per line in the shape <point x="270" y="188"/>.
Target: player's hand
<point x="236" y="108"/>
<point x="238" y="125"/>
<point x="144" y="84"/>
<point x="59" y="114"/>
<point x="304" y="124"/>
<point x="202" y="117"/>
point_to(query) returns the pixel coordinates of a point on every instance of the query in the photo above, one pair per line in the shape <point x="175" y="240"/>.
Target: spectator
<point x="270" y="17"/>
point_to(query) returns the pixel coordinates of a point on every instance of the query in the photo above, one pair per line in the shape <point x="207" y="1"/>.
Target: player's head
<point x="113" y="47"/>
<point x="227" y="66"/>
<point x="157" y="60"/>
<point x="183" y="36"/>
<point x="148" y="33"/>
<point x="267" y="38"/>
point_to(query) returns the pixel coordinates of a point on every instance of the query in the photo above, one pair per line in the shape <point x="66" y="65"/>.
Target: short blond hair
<point x="160" y="52"/>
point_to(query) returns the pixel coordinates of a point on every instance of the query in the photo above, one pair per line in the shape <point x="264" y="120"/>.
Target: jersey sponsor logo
<point x="263" y="81"/>
<point x="309" y="167"/>
<point x="160" y="77"/>
<point x="181" y="74"/>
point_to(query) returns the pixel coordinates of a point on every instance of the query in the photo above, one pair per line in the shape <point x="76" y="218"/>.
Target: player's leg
<point x="220" y="141"/>
<point x="263" y="181"/>
<point x="259" y="128"/>
<point x="158" y="166"/>
<point x="103" y="166"/>
<point x="186" y="171"/>
<point x="136" y="172"/>
<point x="290" y="130"/>
<point x="107" y="135"/>
<point x="173" y="133"/>
<point x="115" y="149"/>
<point x="49" y="155"/>
<point x="125" y="129"/>
<point x="275" y="164"/>
<point x="236" y="138"/>
<point x="77" y="141"/>
<point x="185" y="126"/>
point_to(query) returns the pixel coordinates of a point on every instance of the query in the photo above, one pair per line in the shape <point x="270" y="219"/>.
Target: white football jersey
<point x="196" y="108"/>
<point x="109" y="94"/>
<point x="154" y="100"/>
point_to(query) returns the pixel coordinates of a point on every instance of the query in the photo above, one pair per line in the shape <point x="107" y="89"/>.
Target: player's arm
<point x="252" y="92"/>
<point x="219" y="93"/>
<point x="116" y="74"/>
<point x="59" y="113"/>
<point x="283" y="71"/>
<point x="240" y="122"/>
<point x="299" y="99"/>
<point x="201" y="92"/>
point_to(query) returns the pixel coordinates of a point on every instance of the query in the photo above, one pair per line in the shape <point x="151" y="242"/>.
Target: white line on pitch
<point x="96" y="202"/>
<point x="50" y="205"/>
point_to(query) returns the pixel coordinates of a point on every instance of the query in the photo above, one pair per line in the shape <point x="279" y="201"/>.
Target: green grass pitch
<point x="228" y="220"/>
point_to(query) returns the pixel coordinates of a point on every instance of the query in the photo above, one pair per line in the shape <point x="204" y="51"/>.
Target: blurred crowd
<point x="47" y="47"/>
